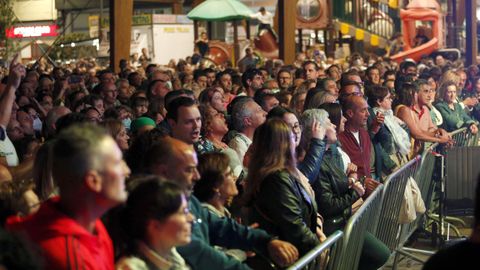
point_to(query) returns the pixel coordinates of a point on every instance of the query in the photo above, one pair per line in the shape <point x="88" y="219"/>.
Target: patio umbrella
<point x="220" y="10"/>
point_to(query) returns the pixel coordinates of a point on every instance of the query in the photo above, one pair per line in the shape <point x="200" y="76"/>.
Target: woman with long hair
<point x="279" y="196"/>
<point x="309" y="157"/>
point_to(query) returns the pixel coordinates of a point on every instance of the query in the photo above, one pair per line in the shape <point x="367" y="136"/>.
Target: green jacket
<point x="334" y="197"/>
<point x="453" y="119"/>
<point x="283" y="208"/>
<point x="209" y="230"/>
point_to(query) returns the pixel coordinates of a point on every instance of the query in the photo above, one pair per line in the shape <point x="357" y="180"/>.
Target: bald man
<point x="177" y="161"/>
<point x="355" y="139"/>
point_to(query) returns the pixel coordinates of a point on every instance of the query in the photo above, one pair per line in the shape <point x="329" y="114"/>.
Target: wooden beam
<point x="471" y="29"/>
<point x="286" y="30"/>
<point x="177" y="7"/>
<point x="196" y="3"/>
<point x="236" y="45"/>
<point x="330" y="40"/>
<point x="121" y="12"/>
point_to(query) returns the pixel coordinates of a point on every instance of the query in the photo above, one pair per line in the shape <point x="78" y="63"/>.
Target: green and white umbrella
<point x="220" y="10"/>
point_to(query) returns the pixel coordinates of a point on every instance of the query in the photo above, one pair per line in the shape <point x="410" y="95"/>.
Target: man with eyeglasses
<point x="352" y="76"/>
<point x="284" y="79"/>
<point x="349" y="88"/>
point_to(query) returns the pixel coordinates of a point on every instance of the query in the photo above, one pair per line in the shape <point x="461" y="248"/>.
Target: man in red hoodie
<point x="90" y="173"/>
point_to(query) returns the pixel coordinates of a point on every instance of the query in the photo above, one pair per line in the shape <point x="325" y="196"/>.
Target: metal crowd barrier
<point x="365" y="219"/>
<point x="426" y="184"/>
<point x="461" y="171"/>
<point x="388" y="226"/>
<point x="424" y="177"/>
<point x="380" y="213"/>
<point x="463" y="137"/>
<point x="318" y="250"/>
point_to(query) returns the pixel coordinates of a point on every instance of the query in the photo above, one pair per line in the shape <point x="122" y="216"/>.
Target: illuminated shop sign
<point x="32" y="31"/>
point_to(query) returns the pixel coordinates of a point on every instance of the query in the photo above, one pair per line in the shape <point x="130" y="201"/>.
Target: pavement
<point x="425" y="243"/>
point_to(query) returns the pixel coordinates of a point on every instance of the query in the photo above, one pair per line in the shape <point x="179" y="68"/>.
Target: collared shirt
<point x="424" y="119"/>
<point x="359" y="153"/>
<point x="150" y="258"/>
<point x="240" y="144"/>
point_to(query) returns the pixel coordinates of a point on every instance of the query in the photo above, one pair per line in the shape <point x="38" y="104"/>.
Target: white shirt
<point x="7" y="150"/>
<point x="357" y="137"/>
<point x="345" y="158"/>
<point x="240" y="144"/>
<point x="265" y="19"/>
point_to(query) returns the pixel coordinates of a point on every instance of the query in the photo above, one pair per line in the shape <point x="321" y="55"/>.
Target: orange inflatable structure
<point x="424" y="11"/>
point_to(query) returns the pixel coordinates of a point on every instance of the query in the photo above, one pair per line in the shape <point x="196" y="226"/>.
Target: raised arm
<point x="17" y="72"/>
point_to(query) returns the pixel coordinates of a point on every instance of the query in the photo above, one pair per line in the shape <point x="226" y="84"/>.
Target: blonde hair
<point x="449" y="75"/>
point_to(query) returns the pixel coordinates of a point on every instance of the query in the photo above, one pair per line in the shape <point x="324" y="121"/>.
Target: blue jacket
<point x="310" y="166"/>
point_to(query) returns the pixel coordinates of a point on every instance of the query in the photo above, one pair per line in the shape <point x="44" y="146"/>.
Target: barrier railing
<point x="318" y="250"/>
<point x="365" y="219"/>
<point x="461" y="137"/>
<point x="426" y="184"/>
<point x="380" y="212"/>
<point x="389" y="225"/>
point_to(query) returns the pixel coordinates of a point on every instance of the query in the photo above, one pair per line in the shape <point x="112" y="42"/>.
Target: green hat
<point x="141" y="122"/>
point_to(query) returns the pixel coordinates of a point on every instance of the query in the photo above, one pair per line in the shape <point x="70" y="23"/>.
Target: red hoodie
<point x="63" y="242"/>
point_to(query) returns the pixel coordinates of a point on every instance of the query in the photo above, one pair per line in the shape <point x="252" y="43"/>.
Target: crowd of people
<point x="188" y="166"/>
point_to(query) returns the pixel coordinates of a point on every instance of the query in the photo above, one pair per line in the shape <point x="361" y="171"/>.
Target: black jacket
<point x="334" y="197"/>
<point x="282" y="207"/>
